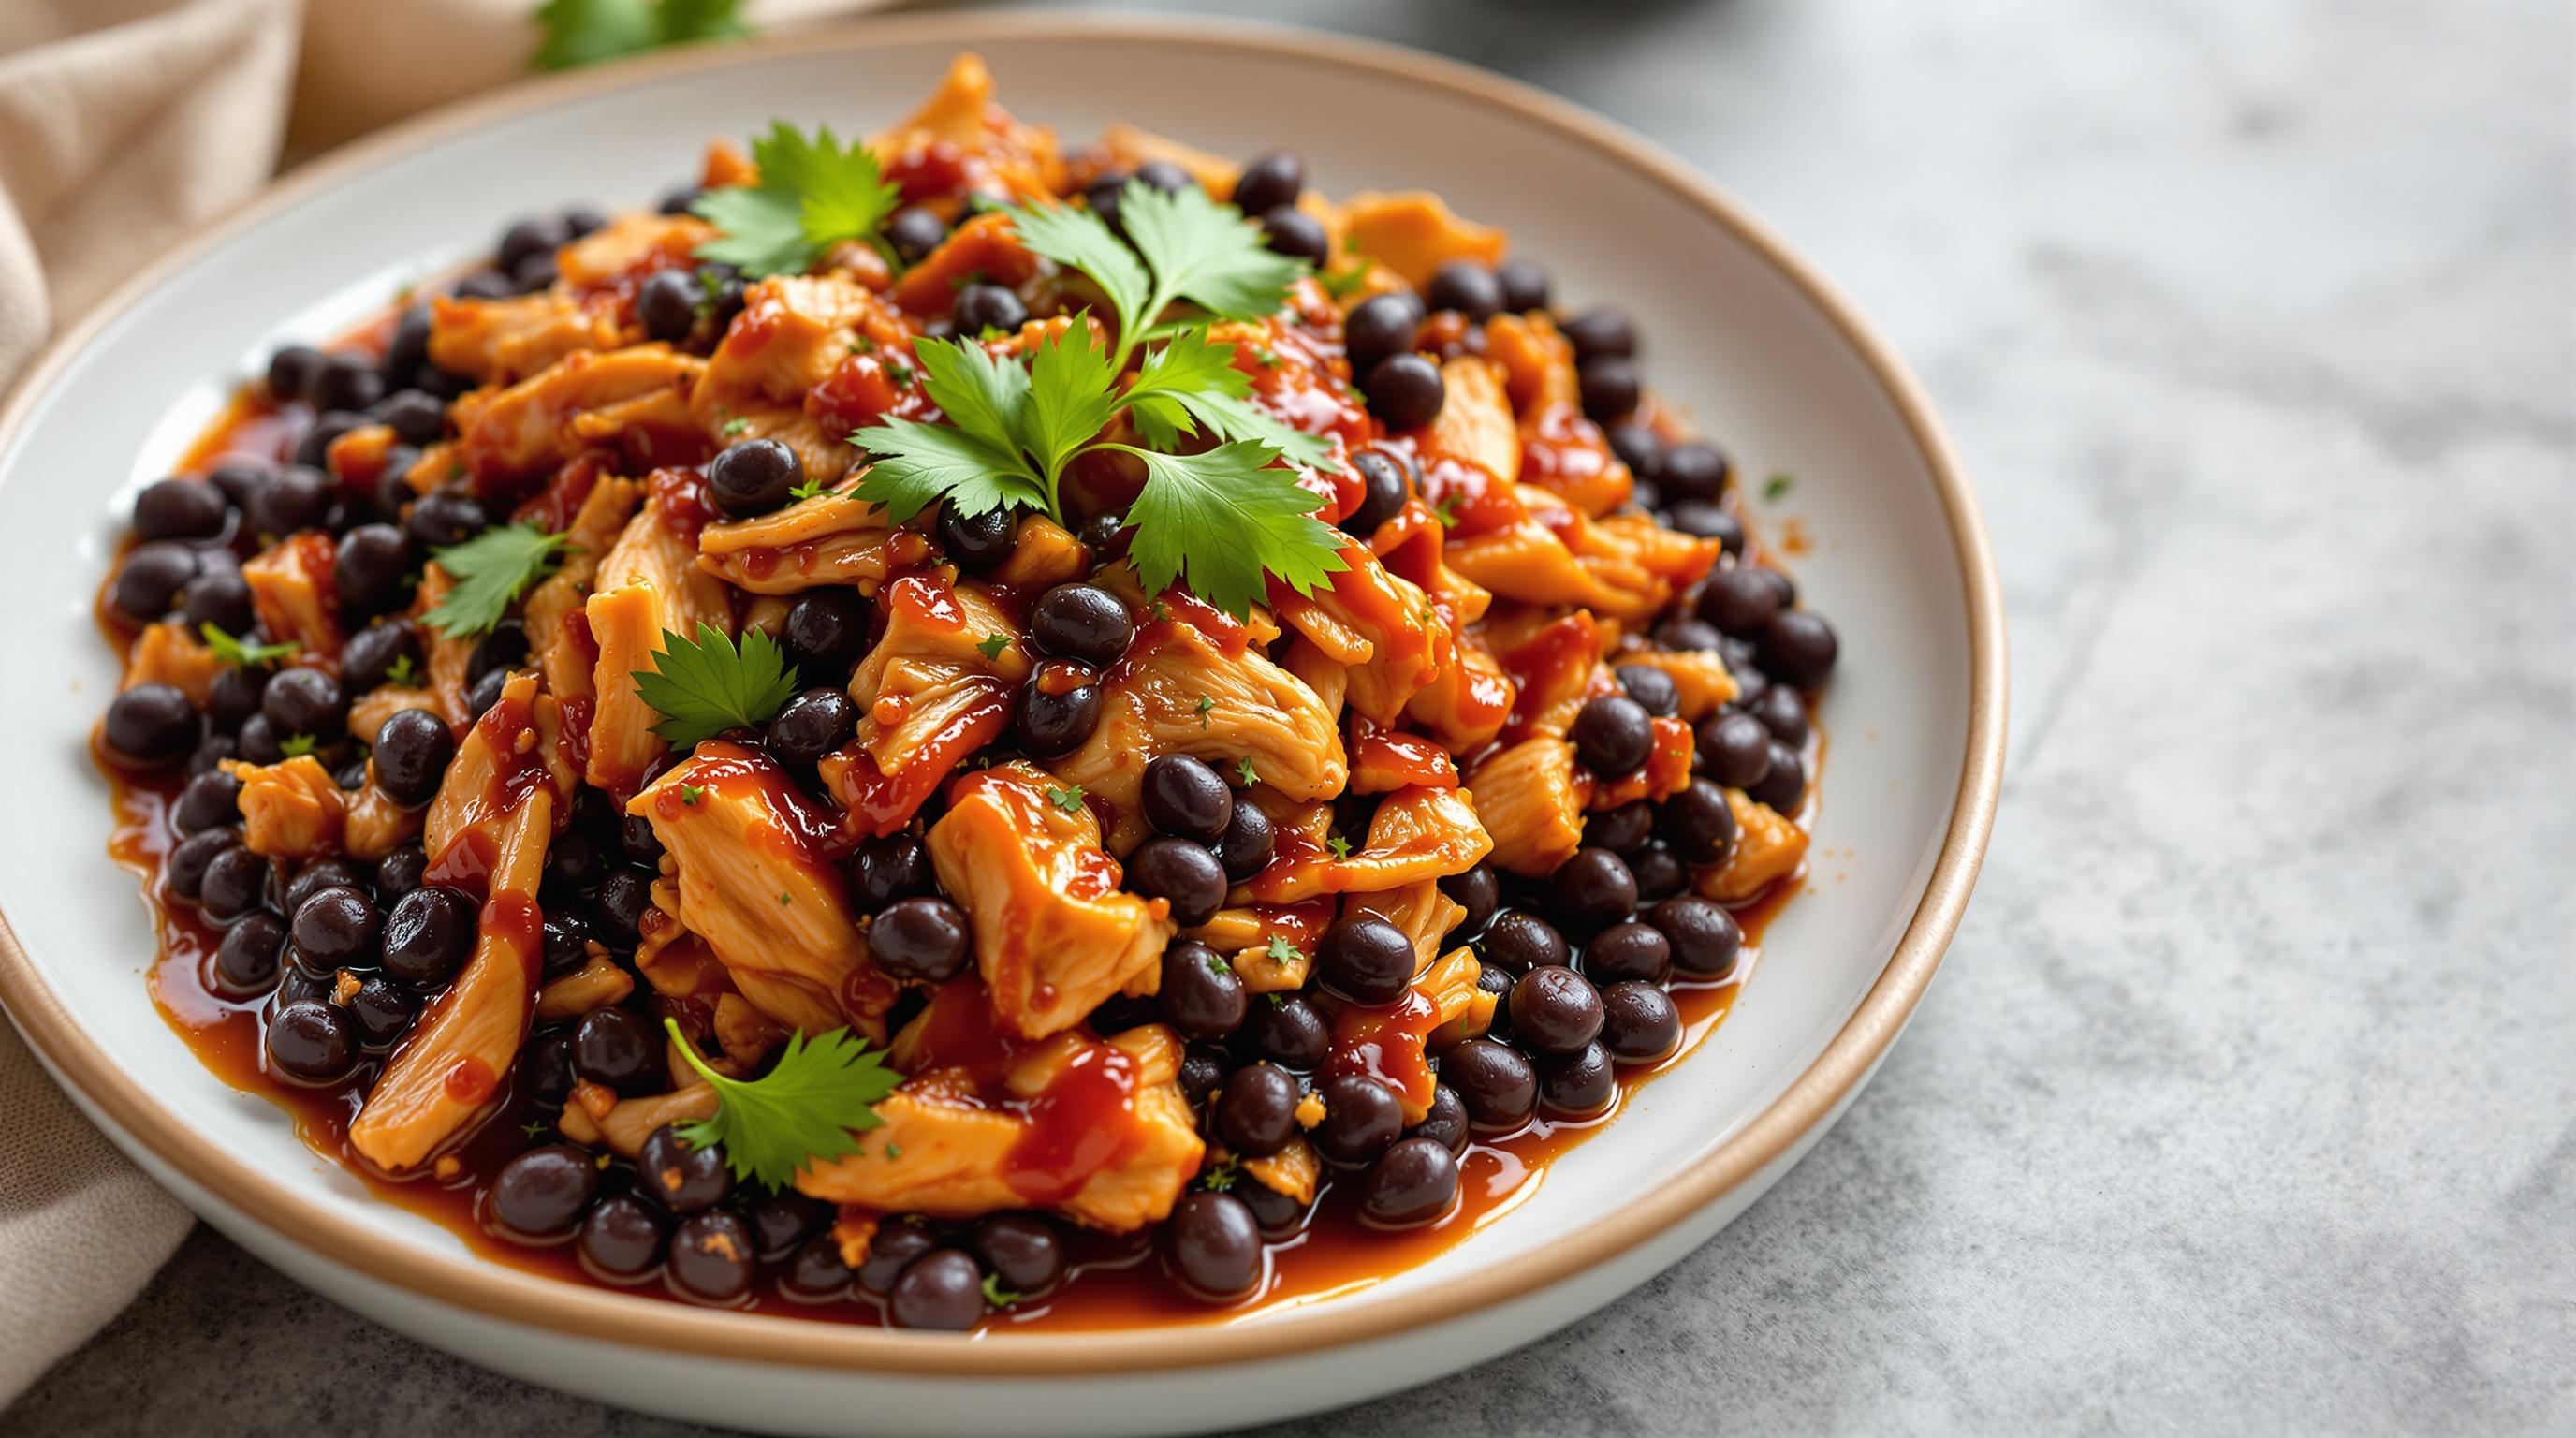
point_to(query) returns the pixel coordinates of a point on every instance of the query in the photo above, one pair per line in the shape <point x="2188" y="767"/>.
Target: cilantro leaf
<point x="296" y="746"/>
<point x="1223" y="519"/>
<point x="1068" y="397"/>
<point x="1081" y="239"/>
<point x="245" y="653"/>
<point x="802" y="1111"/>
<point x="814" y="192"/>
<point x="584" y="32"/>
<point x="491" y="571"/>
<point x="917" y="465"/>
<point x="1282" y="951"/>
<point x="1068" y="799"/>
<point x="992" y="645"/>
<point x="1204" y="252"/>
<point x="705" y="687"/>
<point x="980" y="392"/>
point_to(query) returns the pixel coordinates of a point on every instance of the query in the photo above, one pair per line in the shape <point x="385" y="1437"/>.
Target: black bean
<point x="1269" y="181"/>
<point x="1185" y="874"/>
<point x="209" y="799"/>
<point x="413" y="747"/>
<point x="179" y="509"/>
<point x="1659" y="872"/>
<point x="568" y="935"/>
<point x="753" y="476"/>
<point x="825" y="632"/>
<point x="1405" y="391"/>
<point x="1602" y="331"/>
<point x="1705" y="937"/>
<point x="222" y="599"/>
<point x="324" y="873"/>
<point x="1202" y="1072"/>
<point x="914" y="231"/>
<point x="1639" y="1023"/>
<point x="1248" y="843"/>
<point x="1609" y="386"/>
<point x="1496" y="1080"/>
<point x="1555" y="1010"/>
<point x="262" y="742"/>
<point x="1733" y="749"/>
<point x="310" y="1042"/>
<point x="1053" y="724"/>
<point x="1743" y="667"/>
<point x="427" y="936"/>
<point x="400" y="872"/>
<point x="1366" y="960"/>
<point x="152" y="578"/>
<point x="246" y="960"/>
<point x="782" y="1219"/>
<point x="235" y="694"/>
<point x="303" y="485"/>
<point x="190" y="857"/>
<point x="1165" y="176"/>
<point x="337" y="927"/>
<point x="382" y="1010"/>
<point x="1384" y="488"/>
<point x="1446" y="1124"/>
<point x="710" y="1257"/>
<point x="368" y="569"/>
<point x="1785" y="784"/>
<point x="1415" y="1183"/>
<point x="306" y="702"/>
<point x="623" y="899"/>
<point x="920" y="939"/>
<point x="815" y="1272"/>
<point x="1629" y="951"/>
<point x="1582" y="1082"/>
<point x="1022" y="1250"/>
<point x="291" y="369"/>
<point x="812" y="725"/>
<point x="445" y="517"/>
<point x="1290" y="1032"/>
<point x="1620" y="830"/>
<point x="1783" y="712"/>
<point x="1692" y="471"/>
<point x="1467" y="287"/>
<point x="368" y="660"/>
<point x="884" y="870"/>
<point x="1702" y="520"/>
<point x="1082" y="621"/>
<point x="1290" y="231"/>
<point x="1213" y="1246"/>
<point x="1590" y="891"/>
<point x="619" y="1048"/>
<point x="150" y="725"/>
<point x="1525" y="285"/>
<point x="1277" y="1215"/>
<point x="898" y="1242"/>
<point x="977" y="543"/>
<point x="415" y="416"/>
<point x="1738" y="600"/>
<point x="1519" y="942"/>
<point x="344" y="382"/>
<point x="1185" y="798"/>
<point x="1699" y="823"/>
<point x="680" y="1176"/>
<point x="1379" y="326"/>
<point x="211" y="752"/>
<point x="1257" y="1114"/>
<point x="1613" y="735"/>
<point x="546" y="1073"/>
<point x="1799" y="648"/>
<point x="1362" y="1116"/>
<point x="988" y="309"/>
<point x="1201" y="996"/>
<point x="234" y="884"/>
<point x="1652" y="688"/>
<point x="1641" y="449"/>
<point x="666" y="304"/>
<point x="942" y="1291"/>
<point x="622" y="1237"/>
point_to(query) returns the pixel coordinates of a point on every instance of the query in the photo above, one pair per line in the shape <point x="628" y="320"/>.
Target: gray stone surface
<point x="2245" y="1101"/>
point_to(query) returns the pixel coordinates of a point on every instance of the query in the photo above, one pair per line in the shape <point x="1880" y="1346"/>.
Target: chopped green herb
<point x="1205" y="706"/>
<point x="1222" y="1176"/>
<point x="1340" y="846"/>
<point x="810" y="489"/>
<point x="402" y="674"/>
<point x="1217" y="965"/>
<point x="1446" y="511"/>
<point x="735" y="426"/>
<point x="690" y="794"/>
<point x="995" y="1295"/>
<point x="296" y="746"/>
<point x="992" y="645"/>
<point x="537" y="1129"/>
<point x="1778" y="485"/>
<point x="1068" y="799"/>
<point x="244" y="653"/>
<point x="1281" y="951"/>
<point x="1243" y="769"/>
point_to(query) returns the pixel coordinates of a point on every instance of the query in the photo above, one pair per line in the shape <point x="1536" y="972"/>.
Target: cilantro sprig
<point x="814" y="192"/>
<point x="244" y="653"/>
<point x="703" y="687"/>
<point x="491" y="571"/>
<point x="802" y="1111"/>
<point x="1221" y="519"/>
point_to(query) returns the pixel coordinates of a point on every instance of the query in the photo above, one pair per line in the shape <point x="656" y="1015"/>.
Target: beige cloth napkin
<point x="123" y="125"/>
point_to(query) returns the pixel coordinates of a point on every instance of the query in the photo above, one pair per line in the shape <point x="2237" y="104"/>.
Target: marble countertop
<point x="2247" y="1100"/>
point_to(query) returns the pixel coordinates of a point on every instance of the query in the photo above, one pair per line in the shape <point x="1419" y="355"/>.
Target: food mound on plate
<point x="943" y="721"/>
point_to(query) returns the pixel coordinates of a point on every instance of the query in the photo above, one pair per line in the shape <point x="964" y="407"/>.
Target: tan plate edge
<point x="522" y="1298"/>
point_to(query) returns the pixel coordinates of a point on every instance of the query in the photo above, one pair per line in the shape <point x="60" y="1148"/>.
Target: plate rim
<point x="497" y="1291"/>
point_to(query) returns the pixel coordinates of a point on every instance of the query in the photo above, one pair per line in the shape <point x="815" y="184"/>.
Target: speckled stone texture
<point x="2244" y="1103"/>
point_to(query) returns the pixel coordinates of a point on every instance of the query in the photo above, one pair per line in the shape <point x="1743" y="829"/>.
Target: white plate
<point x="1743" y="335"/>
